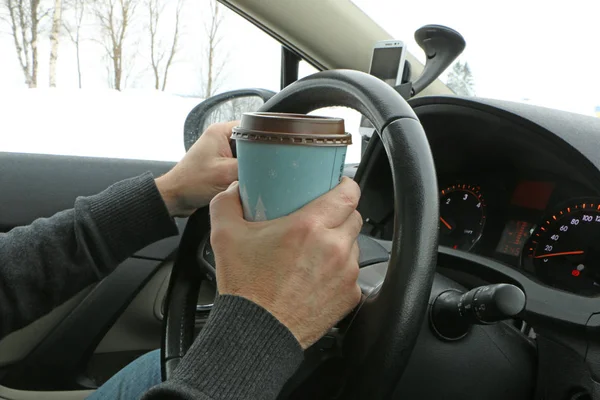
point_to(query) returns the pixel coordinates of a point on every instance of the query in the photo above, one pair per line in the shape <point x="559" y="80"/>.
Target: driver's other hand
<point x="302" y="268"/>
<point x="207" y="169"/>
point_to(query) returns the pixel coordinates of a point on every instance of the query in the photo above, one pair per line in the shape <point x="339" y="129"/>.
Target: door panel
<point x="39" y="185"/>
<point x="36" y="186"/>
<point x="56" y="362"/>
<point x="11" y="394"/>
<point x="140" y="326"/>
<point x="18" y="344"/>
<point x="137" y="331"/>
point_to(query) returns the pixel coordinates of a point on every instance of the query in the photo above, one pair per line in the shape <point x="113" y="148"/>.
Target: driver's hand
<point x="302" y="268"/>
<point x="207" y="168"/>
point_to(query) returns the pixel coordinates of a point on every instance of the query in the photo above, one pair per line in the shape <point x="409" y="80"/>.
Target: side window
<point x="117" y="78"/>
<point x="305" y="69"/>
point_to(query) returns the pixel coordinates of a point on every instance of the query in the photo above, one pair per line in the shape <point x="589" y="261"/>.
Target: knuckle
<point x="356" y="295"/>
<point x="301" y="229"/>
<point x="357" y="188"/>
<point x="217" y="200"/>
<point x="210" y="131"/>
<point x="351" y="193"/>
<point x="337" y="250"/>
<point x="348" y="199"/>
<point x="223" y="173"/>
<point x="358" y="217"/>
<point x="215" y="127"/>
<point x="308" y="225"/>
<point x="220" y="235"/>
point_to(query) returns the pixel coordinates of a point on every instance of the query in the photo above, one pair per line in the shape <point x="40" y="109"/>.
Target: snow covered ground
<point x="133" y="124"/>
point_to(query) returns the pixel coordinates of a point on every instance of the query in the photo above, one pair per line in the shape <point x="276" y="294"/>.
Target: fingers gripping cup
<point x="287" y="160"/>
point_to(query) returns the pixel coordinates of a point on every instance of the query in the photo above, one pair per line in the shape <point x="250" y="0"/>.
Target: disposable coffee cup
<point x="287" y="160"/>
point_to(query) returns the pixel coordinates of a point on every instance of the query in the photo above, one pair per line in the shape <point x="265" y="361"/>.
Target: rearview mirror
<point x="228" y="106"/>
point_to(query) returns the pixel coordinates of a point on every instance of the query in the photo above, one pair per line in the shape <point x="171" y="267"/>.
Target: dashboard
<point x="509" y="190"/>
<point x="549" y="228"/>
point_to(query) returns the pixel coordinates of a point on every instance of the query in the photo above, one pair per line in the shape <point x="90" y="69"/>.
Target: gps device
<point x="387" y="64"/>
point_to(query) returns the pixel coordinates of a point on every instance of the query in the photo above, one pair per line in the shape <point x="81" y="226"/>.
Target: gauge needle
<point x="446" y="223"/>
<point x="564" y="253"/>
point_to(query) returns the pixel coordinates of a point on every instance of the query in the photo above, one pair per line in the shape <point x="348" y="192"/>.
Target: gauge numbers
<point x="565" y="250"/>
<point x="462" y="216"/>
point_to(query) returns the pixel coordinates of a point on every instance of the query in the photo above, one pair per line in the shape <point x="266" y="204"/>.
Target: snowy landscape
<point x="78" y="105"/>
<point x="82" y="102"/>
<point x="135" y="124"/>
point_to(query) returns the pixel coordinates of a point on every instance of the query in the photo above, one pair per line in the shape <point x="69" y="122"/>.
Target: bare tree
<point x="232" y="110"/>
<point x="115" y="18"/>
<point x="73" y="29"/>
<point x="460" y="79"/>
<point x="54" y="40"/>
<point x="24" y="17"/>
<point x="158" y="49"/>
<point x="214" y="67"/>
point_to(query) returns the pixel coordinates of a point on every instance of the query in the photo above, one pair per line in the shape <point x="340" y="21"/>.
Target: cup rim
<point x="292" y="124"/>
<point x="301" y="139"/>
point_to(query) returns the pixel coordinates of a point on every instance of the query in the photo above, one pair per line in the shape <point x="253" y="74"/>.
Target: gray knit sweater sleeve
<point x="46" y="263"/>
<point x="243" y="352"/>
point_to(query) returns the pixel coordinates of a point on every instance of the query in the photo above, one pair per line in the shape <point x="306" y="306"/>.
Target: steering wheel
<point x="378" y="337"/>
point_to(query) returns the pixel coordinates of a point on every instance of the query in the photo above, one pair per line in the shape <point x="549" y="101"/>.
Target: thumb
<point x="226" y="207"/>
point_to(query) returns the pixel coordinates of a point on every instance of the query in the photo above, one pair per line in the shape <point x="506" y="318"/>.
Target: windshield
<point x="532" y="51"/>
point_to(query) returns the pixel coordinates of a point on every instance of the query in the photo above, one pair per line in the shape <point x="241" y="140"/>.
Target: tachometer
<point x="462" y="216"/>
<point x="565" y="249"/>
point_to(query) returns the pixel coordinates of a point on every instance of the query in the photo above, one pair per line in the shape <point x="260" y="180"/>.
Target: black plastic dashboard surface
<point x="527" y="175"/>
<point x="534" y="168"/>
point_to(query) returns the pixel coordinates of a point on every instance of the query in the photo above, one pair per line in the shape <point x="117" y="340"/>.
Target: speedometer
<point x="565" y="249"/>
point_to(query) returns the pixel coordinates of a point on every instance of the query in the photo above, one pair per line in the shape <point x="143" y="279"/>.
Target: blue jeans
<point x="132" y="381"/>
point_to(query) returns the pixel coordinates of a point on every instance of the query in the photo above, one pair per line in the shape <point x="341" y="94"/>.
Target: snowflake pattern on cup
<point x="245" y="202"/>
<point x="261" y="212"/>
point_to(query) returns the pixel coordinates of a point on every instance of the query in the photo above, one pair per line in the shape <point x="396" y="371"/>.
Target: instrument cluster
<point x="548" y="228"/>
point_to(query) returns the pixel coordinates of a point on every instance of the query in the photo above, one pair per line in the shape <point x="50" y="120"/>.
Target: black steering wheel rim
<point x="384" y="331"/>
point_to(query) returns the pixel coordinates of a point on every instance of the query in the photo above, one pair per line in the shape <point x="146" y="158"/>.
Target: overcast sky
<point x="522" y="50"/>
<point x="545" y="51"/>
<point x="519" y="49"/>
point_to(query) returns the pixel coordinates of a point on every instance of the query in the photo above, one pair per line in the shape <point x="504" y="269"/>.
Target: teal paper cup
<point x="287" y="160"/>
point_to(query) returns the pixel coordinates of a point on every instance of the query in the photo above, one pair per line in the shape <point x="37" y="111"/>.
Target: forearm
<point x="242" y="353"/>
<point x="45" y="263"/>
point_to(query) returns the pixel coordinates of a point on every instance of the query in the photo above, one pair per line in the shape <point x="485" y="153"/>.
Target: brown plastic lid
<point x="286" y="128"/>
